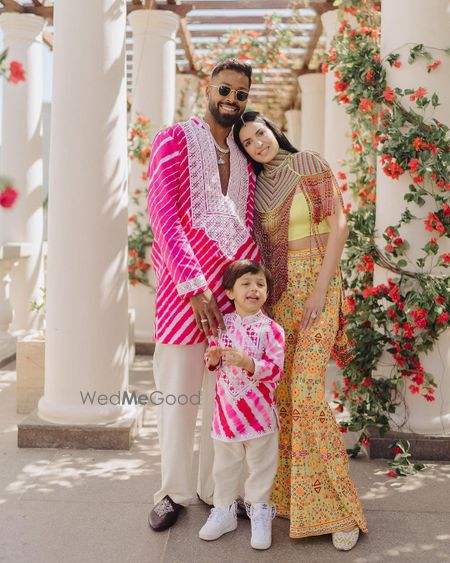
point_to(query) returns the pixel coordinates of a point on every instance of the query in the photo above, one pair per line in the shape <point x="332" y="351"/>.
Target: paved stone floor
<point x="86" y="506"/>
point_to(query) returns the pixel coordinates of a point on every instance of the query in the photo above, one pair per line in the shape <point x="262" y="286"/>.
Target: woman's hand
<point x="235" y="357"/>
<point x="312" y="310"/>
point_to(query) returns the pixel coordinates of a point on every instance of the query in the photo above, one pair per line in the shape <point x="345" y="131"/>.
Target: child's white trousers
<point x="261" y="455"/>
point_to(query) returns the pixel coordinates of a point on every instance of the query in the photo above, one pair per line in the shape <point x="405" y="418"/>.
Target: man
<point x="200" y="204"/>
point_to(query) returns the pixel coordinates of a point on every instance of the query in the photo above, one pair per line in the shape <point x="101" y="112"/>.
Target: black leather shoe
<point x="164" y="514"/>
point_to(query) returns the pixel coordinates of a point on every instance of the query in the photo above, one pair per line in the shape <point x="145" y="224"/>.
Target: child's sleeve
<point x="270" y="366"/>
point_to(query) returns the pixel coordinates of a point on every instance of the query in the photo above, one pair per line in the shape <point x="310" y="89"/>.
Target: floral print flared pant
<point x="312" y="488"/>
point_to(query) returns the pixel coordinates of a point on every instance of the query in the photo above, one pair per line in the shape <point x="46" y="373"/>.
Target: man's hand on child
<point x="207" y="314"/>
<point x="235" y="357"/>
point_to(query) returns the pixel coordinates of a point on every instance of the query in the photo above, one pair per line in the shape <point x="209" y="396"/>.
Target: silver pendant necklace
<point x="220" y="149"/>
<point x="221" y="152"/>
<point x="220" y="160"/>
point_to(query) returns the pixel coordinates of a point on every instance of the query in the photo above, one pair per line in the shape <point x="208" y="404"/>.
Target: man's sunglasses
<point x="225" y="91"/>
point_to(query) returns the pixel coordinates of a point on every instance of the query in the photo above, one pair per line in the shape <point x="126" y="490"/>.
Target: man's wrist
<point x="192" y="287"/>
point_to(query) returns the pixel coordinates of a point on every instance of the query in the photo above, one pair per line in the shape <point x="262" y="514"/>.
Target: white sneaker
<point x="220" y="521"/>
<point x="345" y="541"/>
<point x="261" y="516"/>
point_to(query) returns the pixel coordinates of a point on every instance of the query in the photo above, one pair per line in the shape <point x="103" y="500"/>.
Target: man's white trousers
<point x="179" y="372"/>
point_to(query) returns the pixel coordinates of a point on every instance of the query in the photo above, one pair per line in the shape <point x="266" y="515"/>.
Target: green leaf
<point x="420" y="262"/>
<point x="353" y="452"/>
<point x="419" y="466"/>
<point x="3" y="56"/>
<point x="435" y="100"/>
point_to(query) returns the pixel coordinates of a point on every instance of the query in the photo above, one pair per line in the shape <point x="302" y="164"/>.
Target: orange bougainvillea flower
<point x="16" y="72"/>
<point x="365" y="104"/>
<point x="432" y="222"/>
<point x="141" y="119"/>
<point x="7" y="197"/>
<point x="419" y="93"/>
<point x="442" y="318"/>
<point x="389" y="95"/>
<point x="434" y="65"/>
<point x="419" y="144"/>
<point x="340" y="86"/>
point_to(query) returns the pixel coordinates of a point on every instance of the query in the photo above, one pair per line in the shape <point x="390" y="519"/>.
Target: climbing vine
<point x="402" y="318"/>
<point x="140" y="236"/>
<point x="263" y="49"/>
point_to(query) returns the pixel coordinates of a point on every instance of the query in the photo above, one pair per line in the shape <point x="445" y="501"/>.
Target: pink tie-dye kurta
<point x="198" y="231"/>
<point x="244" y="407"/>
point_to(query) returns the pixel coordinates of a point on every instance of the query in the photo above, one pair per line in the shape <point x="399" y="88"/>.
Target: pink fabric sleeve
<point x="270" y="366"/>
<point x="162" y="204"/>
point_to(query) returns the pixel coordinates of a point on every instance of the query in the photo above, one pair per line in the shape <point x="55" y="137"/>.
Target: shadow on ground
<point x="86" y="506"/>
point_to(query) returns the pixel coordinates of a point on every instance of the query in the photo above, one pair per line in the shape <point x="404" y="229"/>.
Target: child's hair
<point x="239" y="268"/>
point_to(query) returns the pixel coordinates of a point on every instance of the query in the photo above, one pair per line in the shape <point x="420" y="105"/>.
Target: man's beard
<point x="224" y="120"/>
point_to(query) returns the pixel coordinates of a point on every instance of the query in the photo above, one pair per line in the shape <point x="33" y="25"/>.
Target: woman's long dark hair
<point x="250" y="116"/>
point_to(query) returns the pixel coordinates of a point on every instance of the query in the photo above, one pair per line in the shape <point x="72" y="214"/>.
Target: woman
<point x="301" y="229"/>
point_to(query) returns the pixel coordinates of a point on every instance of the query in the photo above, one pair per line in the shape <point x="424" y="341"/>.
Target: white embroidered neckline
<point x="221" y="217"/>
<point x="235" y="384"/>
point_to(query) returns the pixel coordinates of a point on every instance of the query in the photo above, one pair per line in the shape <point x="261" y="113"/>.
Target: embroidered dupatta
<point x="276" y="187"/>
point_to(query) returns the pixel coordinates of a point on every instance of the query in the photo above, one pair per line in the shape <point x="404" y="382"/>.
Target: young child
<point x="248" y="360"/>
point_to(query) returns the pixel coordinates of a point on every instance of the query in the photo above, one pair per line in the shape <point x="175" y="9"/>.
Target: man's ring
<point x="314" y="315"/>
<point x="204" y="321"/>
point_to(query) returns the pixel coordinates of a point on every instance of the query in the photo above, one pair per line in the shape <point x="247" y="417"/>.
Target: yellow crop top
<point x="299" y="220"/>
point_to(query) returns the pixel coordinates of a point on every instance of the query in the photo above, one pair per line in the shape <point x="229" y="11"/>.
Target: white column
<point x="405" y="23"/>
<point x="153" y="95"/>
<point x="11" y="254"/>
<point x="87" y="309"/>
<point x="186" y="94"/>
<point x="312" y="86"/>
<point x="21" y="160"/>
<point x="7" y="341"/>
<point x="154" y="69"/>
<point x="294" y="124"/>
<point x="337" y="131"/>
<point x="337" y="138"/>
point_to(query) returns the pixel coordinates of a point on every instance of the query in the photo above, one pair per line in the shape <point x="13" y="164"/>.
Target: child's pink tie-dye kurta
<point x="198" y="231"/>
<point x="244" y="407"/>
